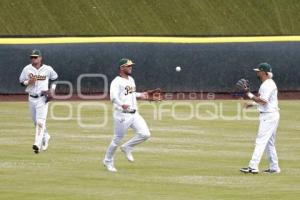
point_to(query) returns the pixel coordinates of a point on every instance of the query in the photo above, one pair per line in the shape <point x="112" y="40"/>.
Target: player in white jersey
<point x="267" y="105"/>
<point x="35" y="77"/>
<point x="123" y="95"/>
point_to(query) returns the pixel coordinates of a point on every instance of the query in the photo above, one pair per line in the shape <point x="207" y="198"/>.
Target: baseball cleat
<point x="45" y="142"/>
<point x="127" y="153"/>
<point x="272" y="171"/>
<point x="35" y="148"/>
<point x="248" y="170"/>
<point x="109" y="166"/>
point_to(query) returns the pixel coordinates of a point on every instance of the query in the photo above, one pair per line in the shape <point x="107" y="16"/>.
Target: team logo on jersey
<point x="38" y="77"/>
<point x="129" y="90"/>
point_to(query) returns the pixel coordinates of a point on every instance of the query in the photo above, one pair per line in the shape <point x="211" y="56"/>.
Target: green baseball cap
<point x="125" y="62"/>
<point x="35" y="53"/>
<point x="263" y="67"/>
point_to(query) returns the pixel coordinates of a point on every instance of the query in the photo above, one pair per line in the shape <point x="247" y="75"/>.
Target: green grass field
<point x="184" y="160"/>
<point x="149" y="17"/>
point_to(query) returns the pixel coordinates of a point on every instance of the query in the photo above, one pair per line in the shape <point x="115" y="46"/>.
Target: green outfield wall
<point x="208" y="64"/>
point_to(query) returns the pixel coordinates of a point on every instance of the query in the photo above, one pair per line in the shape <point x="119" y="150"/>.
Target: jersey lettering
<point x="129" y="90"/>
<point x="38" y="77"/>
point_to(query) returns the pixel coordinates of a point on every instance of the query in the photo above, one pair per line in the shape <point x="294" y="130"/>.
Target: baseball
<point x="178" y="69"/>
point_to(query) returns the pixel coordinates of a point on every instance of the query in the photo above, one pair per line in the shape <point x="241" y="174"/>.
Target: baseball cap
<point x="125" y="62"/>
<point x="35" y="53"/>
<point x="263" y="67"/>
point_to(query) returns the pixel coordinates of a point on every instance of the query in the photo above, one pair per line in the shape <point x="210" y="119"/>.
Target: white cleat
<point x="127" y="153"/>
<point x="109" y="166"/>
<point x="45" y="142"/>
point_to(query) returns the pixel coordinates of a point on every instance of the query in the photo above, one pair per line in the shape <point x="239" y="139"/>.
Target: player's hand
<point x="31" y="80"/>
<point x="154" y="95"/>
<point x="248" y="105"/>
<point x="125" y="107"/>
<point x="144" y="95"/>
<point x="48" y="95"/>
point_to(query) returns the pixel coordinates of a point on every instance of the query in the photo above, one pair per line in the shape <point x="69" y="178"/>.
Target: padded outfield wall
<point x="208" y="64"/>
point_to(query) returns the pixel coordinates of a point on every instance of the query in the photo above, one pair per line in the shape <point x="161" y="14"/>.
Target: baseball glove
<point x="243" y="85"/>
<point x="48" y="96"/>
<point x="154" y="95"/>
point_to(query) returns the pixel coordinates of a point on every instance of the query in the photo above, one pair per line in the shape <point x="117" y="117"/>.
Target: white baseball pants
<point x="122" y="122"/>
<point x="265" y="141"/>
<point x="39" y="110"/>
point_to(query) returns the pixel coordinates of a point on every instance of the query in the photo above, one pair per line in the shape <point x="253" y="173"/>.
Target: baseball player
<point x="123" y="96"/>
<point x="35" y="77"/>
<point x="267" y="105"/>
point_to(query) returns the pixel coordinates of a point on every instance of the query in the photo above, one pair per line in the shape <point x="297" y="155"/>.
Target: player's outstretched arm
<point x="153" y="95"/>
<point x="256" y="99"/>
<point x="142" y="95"/>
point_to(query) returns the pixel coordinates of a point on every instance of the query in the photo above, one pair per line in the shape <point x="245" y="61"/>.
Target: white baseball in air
<point x="178" y="69"/>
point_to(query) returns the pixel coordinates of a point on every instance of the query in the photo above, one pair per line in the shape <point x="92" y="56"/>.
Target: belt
<point x="36" y="96"/>
<point x="129" y="111"/>
<point x="267" y="112"/>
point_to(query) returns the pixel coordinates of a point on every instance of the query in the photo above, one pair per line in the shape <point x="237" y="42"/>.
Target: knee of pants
<point x="146" y="135"/>
<point x="117" y="140"/>
<point x="270" y="144"/>
<point x="40" y="123"/>
<point x="260" y="143"/>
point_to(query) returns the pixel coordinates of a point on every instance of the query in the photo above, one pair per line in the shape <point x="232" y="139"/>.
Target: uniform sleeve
<point x="53" y="75"/>
<point x="114" y="93"/>
<point x="138" y="94"/>
<point x="23" y="77"/>
<point x="266" y="92"/>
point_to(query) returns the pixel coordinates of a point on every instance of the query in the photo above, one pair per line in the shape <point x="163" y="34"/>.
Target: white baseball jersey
<point x="268" y="92"/>
<point x="123" y="91"/>
<point x="42" y="75"/>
